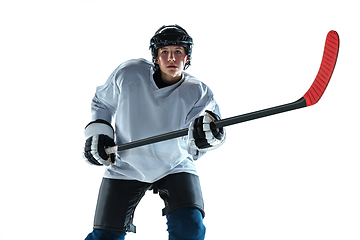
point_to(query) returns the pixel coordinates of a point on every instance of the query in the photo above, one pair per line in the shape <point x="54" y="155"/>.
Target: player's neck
<point x="170" y="79"/>
<point x="158" y="80"/>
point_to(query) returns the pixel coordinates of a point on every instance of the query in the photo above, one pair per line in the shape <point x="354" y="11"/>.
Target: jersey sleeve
<point x="105" y="101"/>
<point x="204" y="100"/>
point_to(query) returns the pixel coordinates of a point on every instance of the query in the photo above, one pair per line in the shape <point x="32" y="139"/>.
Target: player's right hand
<point x="203" y="134"/>
<point x="99" y="135"/>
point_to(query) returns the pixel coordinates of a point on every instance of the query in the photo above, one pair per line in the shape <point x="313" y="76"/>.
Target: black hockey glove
<point x="99" y="135"/>
<point x="203" y="134"/>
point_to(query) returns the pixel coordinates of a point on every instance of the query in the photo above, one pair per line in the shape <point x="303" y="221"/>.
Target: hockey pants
<point x="183" y="224"/>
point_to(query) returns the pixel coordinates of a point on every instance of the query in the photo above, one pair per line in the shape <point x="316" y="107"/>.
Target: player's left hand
<point x="203" y="134"/>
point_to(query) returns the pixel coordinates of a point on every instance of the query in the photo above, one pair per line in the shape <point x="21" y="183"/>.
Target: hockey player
<point x="143" y="99"/>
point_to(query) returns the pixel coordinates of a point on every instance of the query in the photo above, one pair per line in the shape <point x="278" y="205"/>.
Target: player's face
<point x="171" y="60"/>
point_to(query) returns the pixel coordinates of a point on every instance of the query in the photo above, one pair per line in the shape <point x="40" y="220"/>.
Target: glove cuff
<point x="99" y="127"/>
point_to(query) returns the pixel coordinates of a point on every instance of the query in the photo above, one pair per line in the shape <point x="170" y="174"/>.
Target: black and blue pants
<point x="118" y="199"/>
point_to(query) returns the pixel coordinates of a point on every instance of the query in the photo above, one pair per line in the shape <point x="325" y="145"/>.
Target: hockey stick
<point x="311" y="97"/>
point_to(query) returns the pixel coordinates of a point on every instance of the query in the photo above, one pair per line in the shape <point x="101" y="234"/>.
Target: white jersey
<point x="139" y="109"/>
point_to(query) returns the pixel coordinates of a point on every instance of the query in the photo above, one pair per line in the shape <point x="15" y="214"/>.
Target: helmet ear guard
<point x="171" y="35"/>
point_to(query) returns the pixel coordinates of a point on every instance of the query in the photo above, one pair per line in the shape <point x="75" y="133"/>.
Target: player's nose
<point x="171" y="56"/>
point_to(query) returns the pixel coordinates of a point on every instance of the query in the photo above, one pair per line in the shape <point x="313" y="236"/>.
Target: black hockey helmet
<point x="171" y="35"/>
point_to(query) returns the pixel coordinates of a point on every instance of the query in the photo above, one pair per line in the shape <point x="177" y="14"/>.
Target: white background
<point x="290" y="176"/>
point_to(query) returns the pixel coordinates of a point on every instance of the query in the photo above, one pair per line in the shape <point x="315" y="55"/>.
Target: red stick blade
<point x="327" y="66"/>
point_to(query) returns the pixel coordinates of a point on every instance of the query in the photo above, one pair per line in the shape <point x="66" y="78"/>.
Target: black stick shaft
<point x="262" y="113"/>
<point x="221" y="123"/>
<point x="154" y="139"/>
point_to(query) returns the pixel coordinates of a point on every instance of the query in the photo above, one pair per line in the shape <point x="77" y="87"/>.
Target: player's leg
<point x="185" y="223"/>
<point x="115" y="208"/>
<point x="101" y="234"/>
<point x="184" y="206"/>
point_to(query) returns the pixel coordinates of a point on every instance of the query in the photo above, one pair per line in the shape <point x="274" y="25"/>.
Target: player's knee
<point x="186" y="223"/>
<point x="98" y="234"/>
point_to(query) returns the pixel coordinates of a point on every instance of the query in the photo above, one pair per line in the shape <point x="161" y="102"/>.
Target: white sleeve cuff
<point x="97" y="129"/>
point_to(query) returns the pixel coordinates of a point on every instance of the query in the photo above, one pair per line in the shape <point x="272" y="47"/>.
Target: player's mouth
<point x="171" y="66"/>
